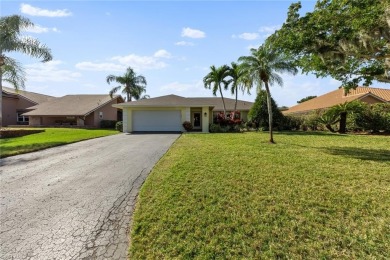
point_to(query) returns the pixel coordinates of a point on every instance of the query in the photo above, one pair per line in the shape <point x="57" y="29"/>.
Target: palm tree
<point x="239" y="80"/>
<point x="12" y="41"/>
<point x="214" y="79"/>
<point x="133" y="85"/>
<point x="263" y="66"/>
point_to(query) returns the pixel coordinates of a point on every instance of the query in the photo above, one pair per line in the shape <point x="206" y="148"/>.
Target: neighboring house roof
<point x="338" y="97"/>
<point x="71" y="105"/>
<point x="31" y="96"/>
<point x="178" y="101"/>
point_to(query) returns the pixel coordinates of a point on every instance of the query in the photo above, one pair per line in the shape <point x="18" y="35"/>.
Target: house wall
<point x="10" y="107"/>
<point x="370" y="100"/>
<point x="109" y="113"/>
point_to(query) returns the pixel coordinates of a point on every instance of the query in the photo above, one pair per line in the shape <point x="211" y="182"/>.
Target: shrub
<point x="292" y="122"/>
<point x="374" y="118"/>
<point x="215" y="128"/>
<point x="119" y="126"/>
<point x="187" y="125"/>
<point x="10" y="133"/>
<point x="259" y="112"/>
<point x="108" y="124"/>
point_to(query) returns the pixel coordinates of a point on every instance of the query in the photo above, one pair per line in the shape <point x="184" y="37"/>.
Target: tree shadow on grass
<point x="315" y="133"/>
<point x="380" y="155"/>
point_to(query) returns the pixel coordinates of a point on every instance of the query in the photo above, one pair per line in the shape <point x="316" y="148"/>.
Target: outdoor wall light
<point x="205" y="114"/>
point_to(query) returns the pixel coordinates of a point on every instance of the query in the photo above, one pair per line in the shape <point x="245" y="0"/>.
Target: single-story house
<point x="80" y="110"/>
<point x="15" y="103"/>
<point x="167" y="113"/>
<point x="336" y="97"/>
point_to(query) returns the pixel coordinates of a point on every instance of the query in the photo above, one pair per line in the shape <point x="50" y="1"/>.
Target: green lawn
<point x="234" y="196"/>
<point x="51" y="137"/>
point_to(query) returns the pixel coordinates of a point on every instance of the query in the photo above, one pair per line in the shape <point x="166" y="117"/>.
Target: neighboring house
<point x="365" y="94"/>
<point x="167" y="113"/>
<point x="15" y="103"/>
<point x="80" y="110"/>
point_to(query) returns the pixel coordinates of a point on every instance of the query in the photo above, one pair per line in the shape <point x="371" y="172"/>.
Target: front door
<point x="197" y="120"/>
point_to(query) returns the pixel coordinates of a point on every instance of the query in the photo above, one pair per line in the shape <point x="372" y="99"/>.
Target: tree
<point x="11" y="41"/>
<point x="346" y="39"/>
<point x="306" y="99"/>
<point x="239" y="81"/>
<point x="214" y="79"/>
<point x="133" y="85"/>
<point x="259" y="111"/>
<point x="262" y="67"/>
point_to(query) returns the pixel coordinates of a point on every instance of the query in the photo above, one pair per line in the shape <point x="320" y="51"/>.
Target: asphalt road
<point x="75" y="201"/>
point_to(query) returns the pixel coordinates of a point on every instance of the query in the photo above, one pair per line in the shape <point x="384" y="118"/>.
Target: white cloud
<point x="184" y="43"/>
<point x="50" y="71"/>
<point x="248" y="36"/>
<point x="162" y="54"/>
<point x="120" y="63"/>
<point x="269" y="29"/>
<point x="91" y="66"/>
<point x="140" y="62"/>
<point x="39" y="29"/>
<point x="192" y="33"/>
<point x="36" y="11"/>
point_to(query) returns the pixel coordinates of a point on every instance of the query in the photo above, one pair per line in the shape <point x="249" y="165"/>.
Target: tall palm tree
<point x="133" y="85"/>
<point x="262" y="66"/>
<point x="214" y="79"/>
<point x="11" y="41"/>
<point x="239" y="81"/>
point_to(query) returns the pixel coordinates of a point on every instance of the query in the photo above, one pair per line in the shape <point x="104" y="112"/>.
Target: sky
<point x="171" y="43"/>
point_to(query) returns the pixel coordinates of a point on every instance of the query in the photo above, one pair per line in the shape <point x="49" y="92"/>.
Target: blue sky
<point x="171" y="43"/>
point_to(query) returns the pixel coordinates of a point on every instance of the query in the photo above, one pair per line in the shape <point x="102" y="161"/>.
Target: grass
<point x="234" y="196"/>
<point x="50" y="138"/>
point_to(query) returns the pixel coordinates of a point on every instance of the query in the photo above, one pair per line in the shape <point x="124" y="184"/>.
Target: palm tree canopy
<point x="12" y="41"/>
<point x="239" y="78"/>
<point x="133" y="85"/>
<point x="264" y="64"/>
<point x="216" y="77"/>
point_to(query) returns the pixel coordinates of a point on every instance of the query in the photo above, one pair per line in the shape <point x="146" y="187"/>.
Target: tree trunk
<point x="343" y="122"/>
<point x="235" y="104"/>
<point x="329" y="127"/>
<point x="223" y="101"/>
<point x="1" y="97"/>
<point x="269" y="106"/>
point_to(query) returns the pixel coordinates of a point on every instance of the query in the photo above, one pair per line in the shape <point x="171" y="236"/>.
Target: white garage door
<point x="157" y="120"/>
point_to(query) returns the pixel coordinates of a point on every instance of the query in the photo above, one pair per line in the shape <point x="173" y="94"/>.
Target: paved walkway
<point x="75" y="201"/>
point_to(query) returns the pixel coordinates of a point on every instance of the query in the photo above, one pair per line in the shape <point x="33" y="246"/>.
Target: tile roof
<point x="70" y="105"/>
<point x="178" y="101"/>
<point x="33" y="97"/>
<point x="337" y="97"/>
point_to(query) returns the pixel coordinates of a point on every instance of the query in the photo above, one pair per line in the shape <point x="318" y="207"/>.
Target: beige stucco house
<point x="365" y="94"/>
<point x="78" y="110"/>
<point x="15" y="103"/>
<point x="167" y="113"/>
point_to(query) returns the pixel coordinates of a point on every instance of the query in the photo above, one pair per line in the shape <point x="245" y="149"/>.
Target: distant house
<point x="79" y="110"/>
<point x="365" y="94"/>
<point x="167" y="113"/>
<point x="15" y="103"/>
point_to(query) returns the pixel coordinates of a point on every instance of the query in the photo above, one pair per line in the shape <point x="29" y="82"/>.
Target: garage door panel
<point x="157" y="120"/>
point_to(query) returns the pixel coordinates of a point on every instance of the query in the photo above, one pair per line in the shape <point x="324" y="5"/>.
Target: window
<point x="21" y="119"/>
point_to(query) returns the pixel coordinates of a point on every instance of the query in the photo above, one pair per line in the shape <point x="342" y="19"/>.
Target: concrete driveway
<point x="75" y="201"/>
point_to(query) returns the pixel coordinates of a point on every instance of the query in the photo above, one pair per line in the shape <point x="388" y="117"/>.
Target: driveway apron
<point x="75" y="201"/>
